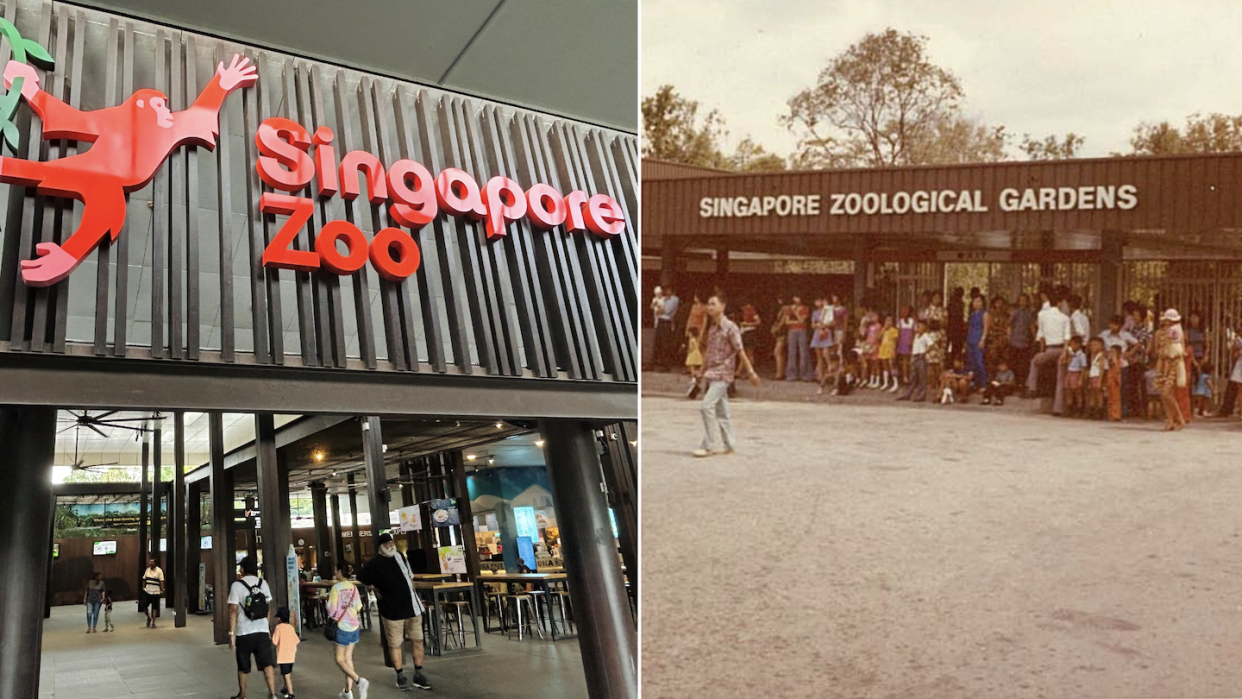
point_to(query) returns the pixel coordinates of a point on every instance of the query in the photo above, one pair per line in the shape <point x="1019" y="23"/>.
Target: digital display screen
<point x="105" y="548"/>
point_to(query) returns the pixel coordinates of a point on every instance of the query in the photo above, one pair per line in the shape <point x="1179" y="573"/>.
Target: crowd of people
<point x="1144" y="362"/>
<point x="260" y="634"/>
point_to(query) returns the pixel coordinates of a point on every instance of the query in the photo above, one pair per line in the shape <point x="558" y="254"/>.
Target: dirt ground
<point x="885" y="551"/>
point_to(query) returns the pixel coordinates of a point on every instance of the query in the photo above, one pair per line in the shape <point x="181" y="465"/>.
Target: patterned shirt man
<point x="724" y="341"/>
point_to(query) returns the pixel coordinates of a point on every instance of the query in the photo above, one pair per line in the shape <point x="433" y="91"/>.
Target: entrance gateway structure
<point x="1166" y="231"/>
<point x="501" y="303"/>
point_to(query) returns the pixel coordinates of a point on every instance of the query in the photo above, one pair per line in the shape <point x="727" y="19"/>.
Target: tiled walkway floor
<point x="137" y="663"/>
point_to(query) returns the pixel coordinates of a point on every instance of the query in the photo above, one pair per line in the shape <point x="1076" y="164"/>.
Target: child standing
<point x="286" y="640"/>
<point x="1076" y="361"/>
<point x="1095" y="374"/>
<point x="905" y="343"/>
<point x="108" y="611"/>
<point x="936" y="344"/>
<point x="888" y="354"/>
<point x="1113" y="383"/>
<point x="1204" y="389"/>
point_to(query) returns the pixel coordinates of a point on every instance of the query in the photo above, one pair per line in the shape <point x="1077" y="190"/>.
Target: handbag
<point x="329" y="629"/>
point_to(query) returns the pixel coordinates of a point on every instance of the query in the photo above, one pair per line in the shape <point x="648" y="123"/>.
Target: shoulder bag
<point x="329" y="629"/>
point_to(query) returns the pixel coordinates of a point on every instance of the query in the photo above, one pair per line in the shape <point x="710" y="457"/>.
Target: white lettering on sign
<point x="924" y="201"/>
<point x="772" y="205"/>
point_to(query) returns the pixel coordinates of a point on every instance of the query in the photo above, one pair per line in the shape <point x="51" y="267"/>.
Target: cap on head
<point x="384" y="538"/>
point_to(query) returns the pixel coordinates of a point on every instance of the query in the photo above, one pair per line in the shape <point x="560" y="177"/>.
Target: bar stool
<point x="457" y="618"/>
<point x="495" y="597"/>
<point x="541" y="605"/>
<point x="561" y="597"/>
<point x="514" y="603"/>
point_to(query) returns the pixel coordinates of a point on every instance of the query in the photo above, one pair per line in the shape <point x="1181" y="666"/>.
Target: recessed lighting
<point x="491" y="461"/>
<point x="318" y="456"/>
<point x="385" y="446"/>
<point x="538" y="442"/>
<point x="634" y="442"/>
<point x="500" y="425"/>
<point x="471" y="457"/>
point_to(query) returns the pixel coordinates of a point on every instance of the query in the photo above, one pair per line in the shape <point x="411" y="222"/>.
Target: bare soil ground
<point x="867" y="549"/>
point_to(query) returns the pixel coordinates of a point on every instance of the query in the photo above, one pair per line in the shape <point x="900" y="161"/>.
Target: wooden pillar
<point x="223" y="536"/>
<point x="606" y="634"/>
<point x="276" y="535"/>
<point x="377" y="476"/>
<point x="157" y="493"/>
<point x="252" y="534"/>
<point x="621" y="477"/>
<point x="193" y="544"/>
<point x="457" y="466"/>
<point x="668" y="262"/>
<point x="27" y="504"/>
<point x="1108" y="279"/>
<point x="323" y="546"/>
<point x="353" y="511"/>
<point x="176" y="535"/>
<point x="338" y="542"/>
<point x="144" y="506"/>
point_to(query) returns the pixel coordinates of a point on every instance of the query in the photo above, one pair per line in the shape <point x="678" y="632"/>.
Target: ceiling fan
<point x="78" y="463"/>
<point x="93" y="422"/>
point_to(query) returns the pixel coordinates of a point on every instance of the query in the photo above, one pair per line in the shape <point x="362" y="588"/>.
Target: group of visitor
<point x="252" y="636"/>
<point x="1143" y="363"/>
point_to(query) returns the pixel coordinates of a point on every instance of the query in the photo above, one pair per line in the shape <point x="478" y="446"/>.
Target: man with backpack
<point x="249" y="630"/>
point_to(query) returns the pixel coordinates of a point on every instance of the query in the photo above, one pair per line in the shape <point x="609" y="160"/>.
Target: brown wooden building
<point x="1166" y="231"/>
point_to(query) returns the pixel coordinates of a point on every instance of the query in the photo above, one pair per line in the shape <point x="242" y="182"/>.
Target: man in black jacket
<point x="389" y="576"/>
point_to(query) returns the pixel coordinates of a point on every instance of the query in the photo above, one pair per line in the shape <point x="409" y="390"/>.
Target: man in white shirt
<point x="150" y="591"/>
<point x="1051" y="335"/>
<point x="1080" y="324"/>
<point x="248" y="636"/>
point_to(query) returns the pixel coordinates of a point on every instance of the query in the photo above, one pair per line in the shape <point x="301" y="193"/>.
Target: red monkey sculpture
<point x="129" y="143"/>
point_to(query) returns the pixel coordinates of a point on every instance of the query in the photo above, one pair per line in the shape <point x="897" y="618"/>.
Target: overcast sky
<point x="1095" y="67"/>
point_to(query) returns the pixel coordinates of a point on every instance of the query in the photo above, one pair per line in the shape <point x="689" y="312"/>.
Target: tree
<point x="752" y="157"/>
<point x="873" y="104"/>
<point x="673" y="131"/>
<point x="1211" y="133"/>
<point x="955" y="139"/>
<point x="1052" y="147"/>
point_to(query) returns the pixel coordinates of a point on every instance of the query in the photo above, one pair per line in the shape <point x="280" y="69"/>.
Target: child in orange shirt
<point x="1113" y="383"/>
<point x="286" y="639"/>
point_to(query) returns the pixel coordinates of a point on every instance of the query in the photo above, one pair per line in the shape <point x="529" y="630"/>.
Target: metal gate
<point x="901" y="283"/>
<point x="1213" y="289"/>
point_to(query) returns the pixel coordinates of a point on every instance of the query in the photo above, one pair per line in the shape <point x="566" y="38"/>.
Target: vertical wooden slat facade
<point x="531" y="304"/>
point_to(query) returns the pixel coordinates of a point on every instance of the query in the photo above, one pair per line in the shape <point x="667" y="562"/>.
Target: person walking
<point x="250" y="612"/>
<point x="390" y="577"/>
<point x="1170" y="351"/>
<point x="723" y="349"/>
<point x="150" y="590"/>
<point x="94" y="599"/>
<point x="1051" y="336"/>
<point x="344" y="604"/>
<point x="286" y="639"/>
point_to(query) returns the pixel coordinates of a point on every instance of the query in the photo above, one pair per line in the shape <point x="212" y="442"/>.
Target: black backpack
<point x="255" y="604"/>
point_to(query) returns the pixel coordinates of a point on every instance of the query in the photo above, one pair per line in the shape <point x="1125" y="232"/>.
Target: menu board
<point x="526" y="552"/>
<point x="453" y="560"/>
<point x="411" y="519"/>
<point x="527" y="525"/>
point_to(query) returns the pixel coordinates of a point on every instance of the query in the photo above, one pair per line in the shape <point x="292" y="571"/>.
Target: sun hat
<point x="1172" y="315"/>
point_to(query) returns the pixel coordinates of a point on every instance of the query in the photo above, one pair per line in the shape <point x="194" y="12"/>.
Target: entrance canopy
<point x="1186" y="206"/>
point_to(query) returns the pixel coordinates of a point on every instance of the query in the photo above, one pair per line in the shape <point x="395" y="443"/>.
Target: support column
<point x="157" y="488"/>
<point x="338" y="541"/>
<point x="353" y="512"/>
<point x="606" y="633"/>
<point x="223" y="535"/>
<point x="377" y="477"/>
<point x="193" y="544"/>
<point x="722" y="265"/>
<point x="621" y="476"/>
<point x="457" y="468"/>
<point x="176" y="536"/>
<point x="425" y="491"/>
<point x="407" y="500"/>
<point x="276" y="535"/>
<point x="252" y="534"/>
<point x="27" y="450"/>
<point x="862" y="269"/>
<point x="668" y="262"/>
<point x="323" y="546"/>
<point x="144" y="506"/>
<point x="1108" y="279"/>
